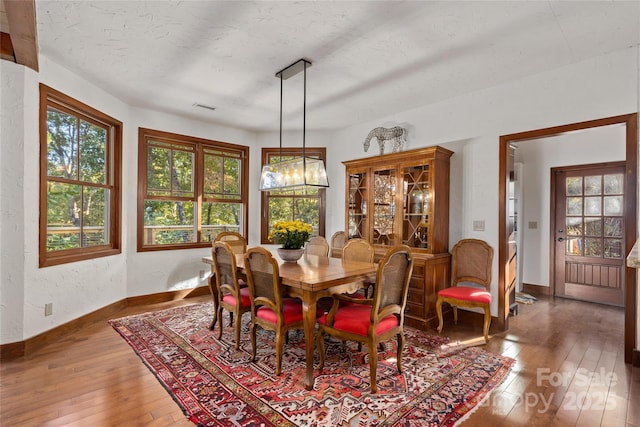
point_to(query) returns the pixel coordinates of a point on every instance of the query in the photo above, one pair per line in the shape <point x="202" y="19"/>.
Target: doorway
<point x="629" y="216"/>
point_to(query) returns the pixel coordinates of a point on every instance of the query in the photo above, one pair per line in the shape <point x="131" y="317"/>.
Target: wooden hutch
<point x="403" y="198"/>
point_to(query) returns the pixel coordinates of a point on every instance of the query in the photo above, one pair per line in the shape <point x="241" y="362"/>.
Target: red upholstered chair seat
<point x="291" y="309"/>
<point x="357" y="318"/>
<point x="466" y="293"/>
<point x="245" y="298"/>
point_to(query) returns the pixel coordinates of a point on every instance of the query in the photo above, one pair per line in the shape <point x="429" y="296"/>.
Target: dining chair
<point x="235" y="240"/>
<point x="471" y="261"/>
<point x="359" y="250"/>
<point x="230" y="296"/>
<point x="270" y="309"/>
<point x="338" y="240"/>
<point x="372" y="321"/>
<point x="317" y="245"/>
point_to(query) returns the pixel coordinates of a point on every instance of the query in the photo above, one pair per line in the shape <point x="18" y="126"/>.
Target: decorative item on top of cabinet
<point x="403" y="198"/>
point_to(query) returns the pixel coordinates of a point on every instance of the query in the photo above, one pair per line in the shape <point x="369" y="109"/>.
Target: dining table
<point x="311" y="278"/>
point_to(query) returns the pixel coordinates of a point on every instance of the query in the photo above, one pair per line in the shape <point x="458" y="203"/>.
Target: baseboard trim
<point x="24" y="348"/>
<point x="536" y="289"/>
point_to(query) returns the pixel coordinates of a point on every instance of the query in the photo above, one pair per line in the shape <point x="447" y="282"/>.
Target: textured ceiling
<point x="370" y="58"/>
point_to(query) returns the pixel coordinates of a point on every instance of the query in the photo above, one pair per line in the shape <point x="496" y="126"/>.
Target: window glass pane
<point x="574" y="186"/>
<point x="613" y="227"/>
<point x="93" y="145"/>
<point x="306" y="210"/>
<point x="158" y="171"/>
<point x="231" y="174"/>
<point x="593" y="227"/>
<point x="574" y="226"/>
<point x="593" y="247"/>
<point x="593" y="185"/>
<point x="613" y="184"/>
<point x="95" y="215"/>
<point x="613" y="205"/>
<point x="168" y="222"/>
<point x="574" y="246"/>
<point x="63" y="216"/>
<point x="593" y="205"/>
<point x="218" y="217"/>
<point x="612" y="248"/>
<point x="213" y="175"/>
<point x="182" y="173"/>
<point x="280" y="209"/>
<point x="574" y="206"/>
<point x="62" y="146"/>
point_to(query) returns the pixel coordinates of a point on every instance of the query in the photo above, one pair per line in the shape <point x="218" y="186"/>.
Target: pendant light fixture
<point x="299" y="171"/>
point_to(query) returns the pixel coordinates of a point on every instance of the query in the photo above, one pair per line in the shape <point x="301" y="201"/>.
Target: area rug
<point x="217" y="385"/>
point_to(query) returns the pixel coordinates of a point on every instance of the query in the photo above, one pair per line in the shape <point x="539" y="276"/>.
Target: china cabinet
<point x="403" y="198"/>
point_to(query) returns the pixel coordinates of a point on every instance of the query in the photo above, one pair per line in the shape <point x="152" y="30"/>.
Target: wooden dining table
<point x="311" y="278"/>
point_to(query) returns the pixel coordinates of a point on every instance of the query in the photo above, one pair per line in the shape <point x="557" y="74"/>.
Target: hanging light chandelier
<point x="299" y="171"/>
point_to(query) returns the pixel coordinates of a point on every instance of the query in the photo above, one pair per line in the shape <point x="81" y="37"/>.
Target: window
<point x="306" y="205"/>
<point x="80" y="162"/>
<point x="190" y="189"/>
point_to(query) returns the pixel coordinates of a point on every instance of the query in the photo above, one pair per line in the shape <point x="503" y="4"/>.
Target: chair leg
<point x="220" y="322"/>
<point x="279" y="351"/>
<point x="400" y="351"/>
<point x="237" y="327"/>
<point x="320" y="344"/>
<point x="439" y="312"/>
<point x="253" y="340"/>
<point x="487" y="322"/>
<point x="230" y="318"/>
<point x="373" y="364"/>
<point x="455" y="315"/>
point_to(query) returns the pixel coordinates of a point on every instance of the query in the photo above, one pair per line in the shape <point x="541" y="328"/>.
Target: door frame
<point x="630" y="215"/>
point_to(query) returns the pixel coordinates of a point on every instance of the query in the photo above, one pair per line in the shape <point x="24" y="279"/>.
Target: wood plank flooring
<point x="569" y="371"/>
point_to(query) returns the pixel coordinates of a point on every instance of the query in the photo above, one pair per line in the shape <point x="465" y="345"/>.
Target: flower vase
<point x="290" y="255"/>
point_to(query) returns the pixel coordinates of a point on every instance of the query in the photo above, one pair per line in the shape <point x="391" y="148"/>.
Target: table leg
<point x="309" y="313"/>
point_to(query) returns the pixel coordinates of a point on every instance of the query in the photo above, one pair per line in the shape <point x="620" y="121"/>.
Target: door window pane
<point x="613" y="205"/>
<point x="593" y="227"/>
<point x="613" y="248"/>
<point x="574" y="206"/>
<point x="613" y="184"/>
<point x="574" y="186"/>
<point x="574" y="226"/>
<point x="613" y="227"/>
<point x="593" y="206"/>
<point x="593" y="247"/>
<point x="593" y="185"/>
<point x="574" y="246"/>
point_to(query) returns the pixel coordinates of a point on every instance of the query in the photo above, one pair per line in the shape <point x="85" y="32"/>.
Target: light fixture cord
<point x="280" y="116"/>
<point x="304" y="125"/>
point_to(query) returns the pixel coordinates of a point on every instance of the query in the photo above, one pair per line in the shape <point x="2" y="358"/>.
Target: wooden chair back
<point x="317" y="245"/>
<point x="471" y="262"/>
<point x="392" y="284"/>
<point x="338" y="240"/>
<point x="358" y="250"/>
<point x="263" y="276"/>
<point x="235" y="240"/>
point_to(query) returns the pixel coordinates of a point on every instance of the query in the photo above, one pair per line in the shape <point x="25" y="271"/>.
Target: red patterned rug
<point x="217" y="385"/>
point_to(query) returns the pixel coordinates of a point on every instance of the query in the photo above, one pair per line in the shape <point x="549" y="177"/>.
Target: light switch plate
<point x="533" y="225"/>
<point x="478" y="225"/>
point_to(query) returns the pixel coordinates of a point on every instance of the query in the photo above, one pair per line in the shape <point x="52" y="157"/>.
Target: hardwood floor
<point x="569" y="371"/>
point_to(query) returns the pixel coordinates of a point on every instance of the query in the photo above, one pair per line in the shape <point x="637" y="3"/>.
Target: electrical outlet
<point x="533" y="225"/>
<point x="48" y="309"/>
<point x="203" y="274"/>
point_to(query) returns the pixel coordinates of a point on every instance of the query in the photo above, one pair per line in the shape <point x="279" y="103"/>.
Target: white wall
<point x="470" y="125"/>
<point x="597" y="145"/>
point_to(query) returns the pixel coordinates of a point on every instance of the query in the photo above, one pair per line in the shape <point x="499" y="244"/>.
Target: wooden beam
<point x="21" y="15"/>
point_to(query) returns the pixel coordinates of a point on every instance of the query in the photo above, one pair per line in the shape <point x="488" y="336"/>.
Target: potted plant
<point x="291" y="235"/>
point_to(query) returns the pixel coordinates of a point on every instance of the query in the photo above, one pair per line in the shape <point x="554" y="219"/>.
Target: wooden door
<point x="588" y="239"/>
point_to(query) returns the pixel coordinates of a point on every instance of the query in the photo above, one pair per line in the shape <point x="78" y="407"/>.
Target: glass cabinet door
<point x="357" y="212"/>
<point x="416" y="195"/>
<point x="384" y="207"/>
